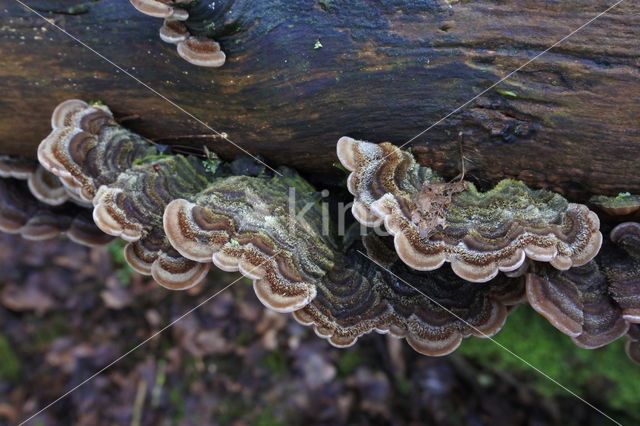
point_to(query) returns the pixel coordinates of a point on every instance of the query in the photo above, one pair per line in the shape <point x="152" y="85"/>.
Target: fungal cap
<point x="201" y="51"/>
<point x="47" y="188"/>
<point x="16" y="167"/>
<point x="200" y="235"/>
<point x="173" y="32"/>
<point x="461" y="223"/>
<point x="624" y="204"/>
<point x="160" y="9"/>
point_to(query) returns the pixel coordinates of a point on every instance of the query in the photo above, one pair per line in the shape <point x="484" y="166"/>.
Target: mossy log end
<point x="568" y="121"/>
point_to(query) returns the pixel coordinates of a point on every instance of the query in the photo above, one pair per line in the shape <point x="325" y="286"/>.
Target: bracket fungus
<point x="22" y="213"/>
<point x="480" y="234"/>
<point x="182" y="214"/>
<point x="244" y="223"/>
<point x="87" y="148"/>
<point x="632" y="346"/>
<point x="624" y="204"/>
<point x="595" y="303"/>
<point x="93" y="154"/>
<point x="184" y="30"/>
<point x="434" y="311"/>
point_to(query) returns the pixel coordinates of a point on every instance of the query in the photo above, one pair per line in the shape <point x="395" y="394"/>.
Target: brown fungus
<point x="621" y="265"/>
<point x="434" y="311"/>
<point x="243" y="223"/>
<point x="161" y="8"/>
<point x="16" y="167"/>
<point x="480" y="234"/>
<point x="624" y="204"/>
<point x="87" y="148"/>
<point x="132" y="206"/>
<point x="632" y="346"/>
<point x="201" y="51"/>
<point x="21" y="213"/>
<point x="596" y="302"/>
<point x="577" y="302"/>
<point x="128" y="183"/>
<point x="173" y="32"/>
<point x="195" y="47"/>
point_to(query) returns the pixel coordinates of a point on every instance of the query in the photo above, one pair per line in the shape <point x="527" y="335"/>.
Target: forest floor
<point x="67" y="311"/>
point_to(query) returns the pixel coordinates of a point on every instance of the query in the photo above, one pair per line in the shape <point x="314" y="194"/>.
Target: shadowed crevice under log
<point x="569" y="121"/>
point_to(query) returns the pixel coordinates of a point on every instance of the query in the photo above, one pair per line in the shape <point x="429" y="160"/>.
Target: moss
<point x="124" y="272"/>
<point x="623" y="199"/>
<point x="150" y="158"/>
<point x="349" y="360"/>
<point x="275" y="362"/>
<point x="508" y="93"/>
<point x="9" y="362"/>
<point x="603" y="374"/>
<point x="267" y="417"/>
<point x="509" y="199"/>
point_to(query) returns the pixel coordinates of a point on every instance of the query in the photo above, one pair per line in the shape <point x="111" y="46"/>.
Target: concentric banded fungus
<point x="197" y="48"/>
<point x="22" y="213"/>
<point x="131" y="208"/>
<point x="202" y="52"/>
<point x="622" y="268"/>
<point x="479" y="233"/>
<point x="173" y="32"/>
<point x="87" y="148"/>
<point x="593" y="303"/>
<point x="162" y="8"/>
<point x="243" y="223"/>
<point x="632" y="346"/>
<point x="16" y="167"/>
<point x="45" y="186"/>
<point x="577" y="302"/>
<point x="358" y="296"/>
<point x="624" y="204"/>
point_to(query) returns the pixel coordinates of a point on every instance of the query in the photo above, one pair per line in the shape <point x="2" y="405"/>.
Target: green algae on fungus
<point x="623" y="204"/>
<point x="480" y="234"/>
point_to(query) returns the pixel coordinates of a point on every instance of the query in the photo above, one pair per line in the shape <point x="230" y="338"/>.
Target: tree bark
<point x="386" y="71"/>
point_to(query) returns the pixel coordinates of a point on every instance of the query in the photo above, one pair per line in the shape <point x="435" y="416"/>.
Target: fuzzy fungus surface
<point x="479" y="233"/>
<point x="623" y="204"/>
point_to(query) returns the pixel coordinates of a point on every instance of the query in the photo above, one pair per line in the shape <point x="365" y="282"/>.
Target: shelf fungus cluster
<point x="599" y="302"/>
<point x="480" y="234"/>
<point x="35" y="204"/>
<point x="182" y="215"/>
<point x="188" y="25"/>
